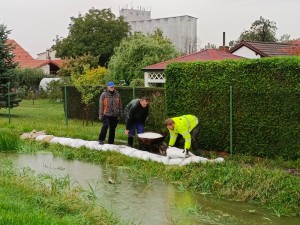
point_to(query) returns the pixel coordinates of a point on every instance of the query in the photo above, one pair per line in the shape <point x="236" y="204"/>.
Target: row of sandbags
<point x="175" y="156"/>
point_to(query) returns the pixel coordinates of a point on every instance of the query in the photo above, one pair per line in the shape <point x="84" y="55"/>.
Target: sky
<point x="34" y="24"/>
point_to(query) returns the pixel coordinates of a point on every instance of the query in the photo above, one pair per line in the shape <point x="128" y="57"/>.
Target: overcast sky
<point x="35" y="23"/>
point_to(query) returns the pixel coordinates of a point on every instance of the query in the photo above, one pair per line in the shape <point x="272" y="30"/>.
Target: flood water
<point x="154" y="203"/>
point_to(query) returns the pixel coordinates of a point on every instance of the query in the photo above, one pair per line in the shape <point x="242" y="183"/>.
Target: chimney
<point x="48" y="55"/>
<point x="223" y="47"/>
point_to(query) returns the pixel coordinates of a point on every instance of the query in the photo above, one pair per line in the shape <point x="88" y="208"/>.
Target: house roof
<point x="204" y="55"/>
<point x="25" y="60"/>
<point x="19" y="52"/>
<point x="266" y="49"/>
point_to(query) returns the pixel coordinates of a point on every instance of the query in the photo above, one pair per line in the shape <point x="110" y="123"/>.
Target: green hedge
<point x="266" y="103"/>
<point x="75" y="109"/>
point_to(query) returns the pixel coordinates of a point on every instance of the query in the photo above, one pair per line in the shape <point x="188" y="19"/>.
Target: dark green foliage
<point x="266" y="103"/>
<point x="96" y="33"/>
<point x="137" y="52"/>
<point x="29" y="79"/>
<point x="156" y="96"/>
<point x="262" y="30"/>
<point x="7" y="76"/>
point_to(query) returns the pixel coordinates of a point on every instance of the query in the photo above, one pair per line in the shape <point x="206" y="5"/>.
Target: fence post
<point x="231" y="120"/>
<point x="8" y="101"/>
<point x="66" y="107"/>
<point x="133" y="92"/>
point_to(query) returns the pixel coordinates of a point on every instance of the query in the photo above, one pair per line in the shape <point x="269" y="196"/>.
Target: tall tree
<point x="139" y="51"/>
<point x="96" y="33"/>
<point x="262" y="30"/>
<point x="7" y="66"/>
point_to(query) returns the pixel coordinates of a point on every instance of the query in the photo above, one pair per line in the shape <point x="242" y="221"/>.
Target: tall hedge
<point x="266" y="103"/>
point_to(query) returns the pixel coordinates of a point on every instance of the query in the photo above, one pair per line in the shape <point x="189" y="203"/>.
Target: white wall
<point x="181" y="30"/>
<point x="246" y="53"/>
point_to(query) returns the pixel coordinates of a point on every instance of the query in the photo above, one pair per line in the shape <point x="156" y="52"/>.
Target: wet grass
<point x="270" y="188"/>
<point x="27" y="199"/>
<point x="263" y="182"/>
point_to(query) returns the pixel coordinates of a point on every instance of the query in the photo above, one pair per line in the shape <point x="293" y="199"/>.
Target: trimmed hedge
<point x="266" y="103"/>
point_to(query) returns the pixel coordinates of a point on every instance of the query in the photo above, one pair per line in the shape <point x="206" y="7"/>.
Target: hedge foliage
<point x="266" y="103"/>
<point x="75" y="107"/>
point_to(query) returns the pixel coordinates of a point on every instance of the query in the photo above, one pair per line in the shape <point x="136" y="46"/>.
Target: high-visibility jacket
<point x="183" y="125"/>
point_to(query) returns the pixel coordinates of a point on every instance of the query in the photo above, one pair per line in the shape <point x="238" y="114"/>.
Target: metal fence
<point x="235" y="121"/>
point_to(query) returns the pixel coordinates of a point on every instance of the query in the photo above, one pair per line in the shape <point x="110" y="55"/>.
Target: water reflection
<point x="155" y="203"/>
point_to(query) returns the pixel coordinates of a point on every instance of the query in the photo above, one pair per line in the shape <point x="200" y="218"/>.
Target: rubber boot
<point x="130" y="141"/>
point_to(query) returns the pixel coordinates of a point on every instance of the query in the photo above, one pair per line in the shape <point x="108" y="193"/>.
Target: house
<point x="154" y="74"/>
<point x="255" y="50"/>
<point x="47" y="55"/>
<point x="25" y="60"/>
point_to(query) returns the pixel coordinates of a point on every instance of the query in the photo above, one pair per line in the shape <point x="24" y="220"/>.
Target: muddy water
<point x="155" y="203"/>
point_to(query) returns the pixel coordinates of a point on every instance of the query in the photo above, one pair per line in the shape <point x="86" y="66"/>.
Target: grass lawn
<point x="49" y="116"/>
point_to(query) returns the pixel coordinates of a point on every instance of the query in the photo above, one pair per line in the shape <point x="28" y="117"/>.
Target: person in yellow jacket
<point x="186" y="126"/>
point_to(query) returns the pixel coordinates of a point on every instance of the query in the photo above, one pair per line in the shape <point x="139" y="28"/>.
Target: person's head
<point x="144" y="102"/>
<point x="169" y="123"/>
<point x="110" y="86"/>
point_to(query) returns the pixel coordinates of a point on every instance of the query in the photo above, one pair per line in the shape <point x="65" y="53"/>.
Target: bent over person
<point x="136" y="113"/>
<point x="110" y="108"/>
<point x="186" y="126"/>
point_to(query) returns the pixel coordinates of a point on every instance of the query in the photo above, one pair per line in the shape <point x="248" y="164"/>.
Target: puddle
<point x="155" y="203"/>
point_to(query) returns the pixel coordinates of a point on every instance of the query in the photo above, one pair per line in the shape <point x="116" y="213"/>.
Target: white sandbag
<point x="114" y="148"/>
<point x="65" y="141"/>
<point x="159" y="159"/>
<point x="127" y="150"/>
<point x="55" y="140"/>
<point x="219" y="159"/>
<point x="174" y="153"/>
<point x="41" y="137"/>
<point x="105" y="147"/>
<point x="138" y="154"/>
<point x="186" y="161"/>
<point x="198" y="159"/>
<point x="77" y="143"/>
<point x="177" y="161"/>
<point x="92" y="145"/>
<point x="146" y="156"/>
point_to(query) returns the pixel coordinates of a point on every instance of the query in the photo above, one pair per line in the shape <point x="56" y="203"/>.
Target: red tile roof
<point x="204" y="55"/>
<point x="266" y="49"/>
<point x="25" y="60"/>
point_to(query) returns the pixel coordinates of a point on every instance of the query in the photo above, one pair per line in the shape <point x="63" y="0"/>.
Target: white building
<point x="181" y="30"/>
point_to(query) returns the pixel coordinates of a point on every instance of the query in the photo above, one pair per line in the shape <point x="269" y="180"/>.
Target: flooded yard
<point x="154" y="202"/>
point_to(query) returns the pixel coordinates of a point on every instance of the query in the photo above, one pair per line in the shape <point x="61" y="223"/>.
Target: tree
<point x="77" y="65"/>
<point x="7" y="66"/>
<point x="210" y="46"/>
<point x="262" y="30"/>
<point x="87" y="84"/>
<point x="139" y="51"/>
<point x="96" y="33"/>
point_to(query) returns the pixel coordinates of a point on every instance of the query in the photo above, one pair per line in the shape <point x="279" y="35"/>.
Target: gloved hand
<point x="100" y="117"/>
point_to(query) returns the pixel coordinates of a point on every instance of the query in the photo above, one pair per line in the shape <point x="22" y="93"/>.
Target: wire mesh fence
<point x="262" y="123"/>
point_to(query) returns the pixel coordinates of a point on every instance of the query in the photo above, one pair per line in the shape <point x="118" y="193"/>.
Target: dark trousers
<point x="139" y="127"/>
<point x="110" y="122"/>
<point x="195" y="140"/>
